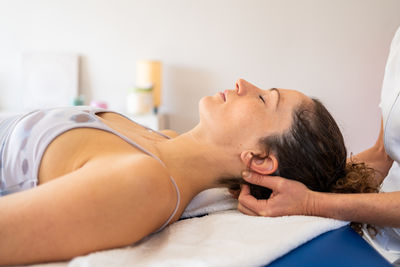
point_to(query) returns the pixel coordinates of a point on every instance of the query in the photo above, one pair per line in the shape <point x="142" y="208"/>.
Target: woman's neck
<point x="196" y="163"/>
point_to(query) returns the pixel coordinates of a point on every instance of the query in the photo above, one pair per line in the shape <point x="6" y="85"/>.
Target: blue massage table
<point x="340" y="247"/>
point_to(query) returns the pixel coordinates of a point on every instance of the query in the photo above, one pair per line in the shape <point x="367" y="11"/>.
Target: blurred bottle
<point x="78" y="101"/>
<point x="140" y="100"/>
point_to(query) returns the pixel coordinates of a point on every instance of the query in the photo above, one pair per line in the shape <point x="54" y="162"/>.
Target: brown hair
<point x="313" y="152"/>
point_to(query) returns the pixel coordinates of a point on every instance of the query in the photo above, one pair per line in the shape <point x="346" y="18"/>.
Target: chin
<point x="204" y="104"/>
<point x="206" y="108"/>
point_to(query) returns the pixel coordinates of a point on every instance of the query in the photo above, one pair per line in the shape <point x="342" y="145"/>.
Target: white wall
<point x="332" y="49"/>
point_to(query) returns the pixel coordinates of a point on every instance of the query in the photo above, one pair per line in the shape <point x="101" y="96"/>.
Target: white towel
<point x="223" y="238"/>
<point x="209" y="201"/>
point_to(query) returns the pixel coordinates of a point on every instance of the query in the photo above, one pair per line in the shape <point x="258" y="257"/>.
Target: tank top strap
<point x="107" y="128"/>
<point x="94" y="111"/>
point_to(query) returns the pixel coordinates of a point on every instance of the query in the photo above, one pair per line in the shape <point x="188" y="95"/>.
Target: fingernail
<point x="246" y="174"/>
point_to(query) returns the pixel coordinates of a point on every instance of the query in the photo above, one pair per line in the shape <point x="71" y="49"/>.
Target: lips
<point x="223" y="96"/>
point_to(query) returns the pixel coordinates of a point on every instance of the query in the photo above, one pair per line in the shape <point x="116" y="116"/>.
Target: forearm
<point x="376" y="157"/>
<point x="381" y="209"/>
<point x="377" y="160"/>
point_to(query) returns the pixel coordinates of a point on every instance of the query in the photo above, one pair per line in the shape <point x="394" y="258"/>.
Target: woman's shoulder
<point x="169" y="133"/>
<point x="150" y="181"/>
<point x="142" y="165"/>
<point x="138" y="170"/>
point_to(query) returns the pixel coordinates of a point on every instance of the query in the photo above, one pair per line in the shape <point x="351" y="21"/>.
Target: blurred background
<point x="333" y="50"/>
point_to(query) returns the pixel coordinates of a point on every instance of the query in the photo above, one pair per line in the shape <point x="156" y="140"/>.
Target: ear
<point x="264" y="166"/>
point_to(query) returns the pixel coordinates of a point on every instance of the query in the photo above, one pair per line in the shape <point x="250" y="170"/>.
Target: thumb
<point x="268" y="181"/>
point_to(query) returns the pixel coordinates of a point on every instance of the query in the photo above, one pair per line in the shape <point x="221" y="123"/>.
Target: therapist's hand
<point x="289" y="197"/>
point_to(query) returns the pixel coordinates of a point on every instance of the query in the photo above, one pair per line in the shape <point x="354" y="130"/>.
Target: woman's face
<point x="247" y="113"/>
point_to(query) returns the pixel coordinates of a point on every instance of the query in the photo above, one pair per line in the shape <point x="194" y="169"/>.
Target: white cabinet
<point x="154" y="121"/>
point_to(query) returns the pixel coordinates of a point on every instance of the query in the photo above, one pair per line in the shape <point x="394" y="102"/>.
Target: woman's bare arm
<point x="109" y="202"/>
<point x="378" y="209"/>
<point x="376" y="157"/>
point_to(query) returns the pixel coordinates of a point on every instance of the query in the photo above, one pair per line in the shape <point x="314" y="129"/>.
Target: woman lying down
<point x="77" y="180"/>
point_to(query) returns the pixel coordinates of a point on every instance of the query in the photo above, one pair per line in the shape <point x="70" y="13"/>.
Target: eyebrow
<point x="279" y="96"/>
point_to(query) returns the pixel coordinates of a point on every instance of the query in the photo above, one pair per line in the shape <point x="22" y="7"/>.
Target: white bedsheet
<point x="223" y="238"/>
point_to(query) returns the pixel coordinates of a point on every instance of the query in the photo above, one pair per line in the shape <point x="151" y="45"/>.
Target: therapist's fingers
<point x="249" y="205"/>
<point x="246" y="211"/>
<point x="245" y="190"/>
<point x="271" y="182"/>
<point x="289" y="197"/>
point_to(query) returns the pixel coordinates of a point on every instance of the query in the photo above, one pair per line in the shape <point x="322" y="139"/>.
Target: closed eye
<point x="262" y="99"/>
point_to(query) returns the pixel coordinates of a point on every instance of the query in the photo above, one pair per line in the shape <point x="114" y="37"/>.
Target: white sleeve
<point x="391" y="80"/>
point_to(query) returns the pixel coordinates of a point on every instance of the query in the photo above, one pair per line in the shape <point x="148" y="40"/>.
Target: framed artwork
<point x="50" y="79"/>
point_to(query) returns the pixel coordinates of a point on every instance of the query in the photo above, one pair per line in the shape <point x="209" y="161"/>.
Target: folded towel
<point x="223" y="238"/>
<point x="209" y="201"/>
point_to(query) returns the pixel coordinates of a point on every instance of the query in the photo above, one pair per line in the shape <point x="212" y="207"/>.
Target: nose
<point x="243" y="87"/>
